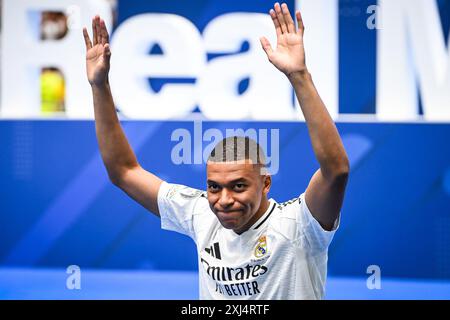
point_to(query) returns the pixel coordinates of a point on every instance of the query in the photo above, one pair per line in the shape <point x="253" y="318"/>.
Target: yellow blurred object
<point x="52" y="91"/>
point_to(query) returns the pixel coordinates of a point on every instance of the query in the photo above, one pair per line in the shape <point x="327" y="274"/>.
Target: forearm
<point x="325" y="139"/>
<point x="116" y="152"/>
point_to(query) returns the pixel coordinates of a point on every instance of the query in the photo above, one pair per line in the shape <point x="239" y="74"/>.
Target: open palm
<point x="289" y="55"/>
<point x="98" y="53"/>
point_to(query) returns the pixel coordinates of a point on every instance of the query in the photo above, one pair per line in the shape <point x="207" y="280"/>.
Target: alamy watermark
<point x="195" y="147"/>
<point x="374" y="280"/>
<point x="374" y="21"/>
<point x="74" y="279"/>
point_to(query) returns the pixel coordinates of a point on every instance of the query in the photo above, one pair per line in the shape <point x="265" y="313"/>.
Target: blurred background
<point x="382" y="67"/>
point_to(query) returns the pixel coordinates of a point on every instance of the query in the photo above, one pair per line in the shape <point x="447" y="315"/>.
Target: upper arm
<point x="142" y="186"/>
<point x="324" y="198"/>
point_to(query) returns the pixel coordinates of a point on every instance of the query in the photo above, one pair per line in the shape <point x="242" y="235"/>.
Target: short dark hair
<point x="237" y="148"/>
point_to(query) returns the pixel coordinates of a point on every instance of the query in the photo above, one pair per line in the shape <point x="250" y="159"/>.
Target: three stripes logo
<point x="214" y="250"/>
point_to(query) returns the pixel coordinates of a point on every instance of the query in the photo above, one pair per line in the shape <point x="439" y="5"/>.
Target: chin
<point x="230" y="224"/>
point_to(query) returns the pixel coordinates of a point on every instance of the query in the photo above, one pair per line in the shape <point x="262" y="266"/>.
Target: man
<point x="249" y="246"/>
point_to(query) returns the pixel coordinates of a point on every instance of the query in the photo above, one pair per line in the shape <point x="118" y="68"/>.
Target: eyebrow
<point x="231" y="182"/>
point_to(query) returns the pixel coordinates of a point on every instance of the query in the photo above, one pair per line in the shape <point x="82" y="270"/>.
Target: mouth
<point x="228" y="216"/>
<point x="229" y="212"/>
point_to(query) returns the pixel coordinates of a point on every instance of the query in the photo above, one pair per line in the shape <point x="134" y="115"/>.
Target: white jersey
<point x="282" y="256"/>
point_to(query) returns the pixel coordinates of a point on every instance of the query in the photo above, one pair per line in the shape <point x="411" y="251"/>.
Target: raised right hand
<point x="289" y="55"/>
<point x="98" y="53"/>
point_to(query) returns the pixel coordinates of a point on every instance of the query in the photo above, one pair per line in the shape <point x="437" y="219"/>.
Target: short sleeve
<point x="176" y="204"/>
<point x="310" y="233"/>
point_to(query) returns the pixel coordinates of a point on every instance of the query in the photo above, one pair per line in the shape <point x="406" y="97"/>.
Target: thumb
<point x="107" y="50"/>
<point x="106" y="54"/>
<point x="266" y="46"/>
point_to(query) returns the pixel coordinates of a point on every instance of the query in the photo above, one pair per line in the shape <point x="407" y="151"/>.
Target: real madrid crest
<point x="261" y="247"/>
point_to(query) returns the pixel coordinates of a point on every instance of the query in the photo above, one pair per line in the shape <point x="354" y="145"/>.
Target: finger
<point x="87" y="40"/>
<point x="301" y="26"/>
<point x="107" y="53"/>
<point x="104" y="32"/>
<point x="276" y="23"/>
<point x="102" y="39"/>
<point x="280" y="18"/>
<point x="94" y="31"/>
<point x="99" y="30"/>
<point x="287" y="18"/>
<point x="107" y="50"/>
<point x="266" y="46"/>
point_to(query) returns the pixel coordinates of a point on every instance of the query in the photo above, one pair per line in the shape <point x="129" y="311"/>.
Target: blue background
<point x="58" y="207"/>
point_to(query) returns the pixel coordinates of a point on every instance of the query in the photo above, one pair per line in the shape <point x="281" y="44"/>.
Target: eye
<point x="239" y="186"/>
<point x="213" y="188"/>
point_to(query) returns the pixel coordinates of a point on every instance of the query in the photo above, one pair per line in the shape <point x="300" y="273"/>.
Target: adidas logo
<point x="214" y="250"/>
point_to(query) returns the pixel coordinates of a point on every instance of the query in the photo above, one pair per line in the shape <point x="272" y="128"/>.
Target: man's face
<point x="235" y="190"/>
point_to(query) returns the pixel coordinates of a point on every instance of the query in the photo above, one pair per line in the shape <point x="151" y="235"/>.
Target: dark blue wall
<point x="57" y="206"/>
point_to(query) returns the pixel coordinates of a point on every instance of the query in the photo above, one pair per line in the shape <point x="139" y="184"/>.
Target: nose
<point x="226" y="198"/>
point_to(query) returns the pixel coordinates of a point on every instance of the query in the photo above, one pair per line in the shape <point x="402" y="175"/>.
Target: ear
<point x="267" y="182"/>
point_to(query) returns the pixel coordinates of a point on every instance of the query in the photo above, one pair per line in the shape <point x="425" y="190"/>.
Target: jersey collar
<point x="265" y="216"/>
<point x="245" y="236"/>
